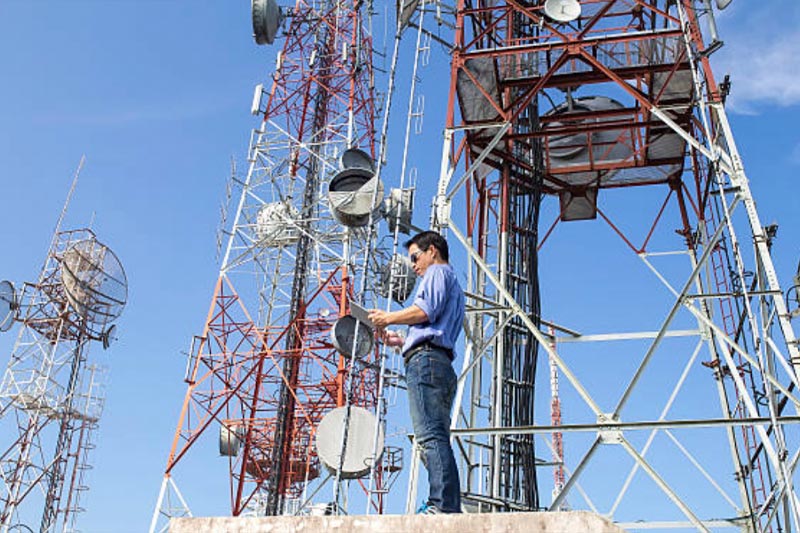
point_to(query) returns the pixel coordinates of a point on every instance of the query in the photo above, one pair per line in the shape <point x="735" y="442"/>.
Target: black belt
<point x="427" y="345"/>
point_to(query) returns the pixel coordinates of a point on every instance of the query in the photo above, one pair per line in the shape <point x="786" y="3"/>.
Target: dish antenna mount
<point x="108" y="336"/>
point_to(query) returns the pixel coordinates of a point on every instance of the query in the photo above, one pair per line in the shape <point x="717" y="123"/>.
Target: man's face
<point x="421" y="259"/>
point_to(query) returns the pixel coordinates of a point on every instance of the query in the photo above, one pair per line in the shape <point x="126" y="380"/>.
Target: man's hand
<point x="380" y="318"/>
<point x="391" y="338"/>
<point x="406" y="317"/>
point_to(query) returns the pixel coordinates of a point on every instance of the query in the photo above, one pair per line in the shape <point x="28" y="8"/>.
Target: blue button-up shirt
<point x="440" y="296"/>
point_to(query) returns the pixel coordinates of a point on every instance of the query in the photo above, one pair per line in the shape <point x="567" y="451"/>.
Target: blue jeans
<point x="431" y="385"/>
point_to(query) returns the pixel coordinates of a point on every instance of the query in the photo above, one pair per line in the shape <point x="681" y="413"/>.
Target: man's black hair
<point x="426" y="239"/>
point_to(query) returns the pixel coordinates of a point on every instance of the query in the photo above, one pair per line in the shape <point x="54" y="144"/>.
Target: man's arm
<point x="408" y="316"/>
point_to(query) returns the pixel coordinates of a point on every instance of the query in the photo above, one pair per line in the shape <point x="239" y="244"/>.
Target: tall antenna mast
<point x="72" y="188"/>
<point x="279" y="351"/>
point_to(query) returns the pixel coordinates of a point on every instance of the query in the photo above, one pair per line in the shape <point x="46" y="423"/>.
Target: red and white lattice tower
<point x="264" y="371"/>
<point x="602" y="119"/>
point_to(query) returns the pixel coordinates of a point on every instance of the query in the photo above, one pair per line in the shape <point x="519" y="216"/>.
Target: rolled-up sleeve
<point x="431" y="294"/>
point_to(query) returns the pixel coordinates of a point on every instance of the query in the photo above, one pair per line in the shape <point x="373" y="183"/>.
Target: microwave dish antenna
<point x="562" y="10"/>
<point x="267" y="18"/>
<point x="8" y="305"/>
<point x="358" y="458"/>
<point x="94" y="283"/>
<point x="350" y="336"/>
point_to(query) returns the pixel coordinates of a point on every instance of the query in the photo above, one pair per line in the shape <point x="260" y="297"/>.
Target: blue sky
<point x="156" y="94"/>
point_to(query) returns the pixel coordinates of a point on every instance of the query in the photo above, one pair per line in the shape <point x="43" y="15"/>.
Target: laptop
<point x="361" y="314"/>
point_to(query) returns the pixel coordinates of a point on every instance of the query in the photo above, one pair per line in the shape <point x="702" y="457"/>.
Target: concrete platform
<point x="566" y="522"/>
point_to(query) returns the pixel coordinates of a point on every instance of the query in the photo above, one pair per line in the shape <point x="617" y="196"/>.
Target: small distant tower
<point x="51" y="395"/>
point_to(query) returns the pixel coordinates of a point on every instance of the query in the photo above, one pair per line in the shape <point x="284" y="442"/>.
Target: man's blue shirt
<point x="440" y="296"/>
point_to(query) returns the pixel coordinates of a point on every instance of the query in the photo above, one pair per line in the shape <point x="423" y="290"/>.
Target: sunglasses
<point x="415" y="256"/>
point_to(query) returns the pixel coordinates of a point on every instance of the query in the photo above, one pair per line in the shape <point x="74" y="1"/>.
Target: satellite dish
<point x="360" y="438"/>
<point x="94" y="283"/>
<point x="8" y="305"/>
<point x="267" y="18"/>
<point x="107" y="337"/>
<point x="722" y="4"/>
<point x="562" y="10"/>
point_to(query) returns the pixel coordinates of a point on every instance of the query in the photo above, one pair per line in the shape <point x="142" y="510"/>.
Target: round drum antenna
<point x="562" y="10"/>
<point x="8" y="305"/>
<point x="353" y="196"/>
<point x="267" y="18"/>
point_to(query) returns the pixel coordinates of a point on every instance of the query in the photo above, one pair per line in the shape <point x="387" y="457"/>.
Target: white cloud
<point x="762" y="59"/>
<point x="794" y="157"/>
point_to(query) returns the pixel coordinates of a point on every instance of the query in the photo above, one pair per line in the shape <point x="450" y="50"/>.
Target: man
<point x="435" y="320"/>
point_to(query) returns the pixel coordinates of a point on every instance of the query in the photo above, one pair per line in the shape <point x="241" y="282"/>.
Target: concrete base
<point x="565" y="522"/>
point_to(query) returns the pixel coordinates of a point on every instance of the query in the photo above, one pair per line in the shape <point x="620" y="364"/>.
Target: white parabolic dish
<point x="562" y="10"/>
<point x="360" y="435"/>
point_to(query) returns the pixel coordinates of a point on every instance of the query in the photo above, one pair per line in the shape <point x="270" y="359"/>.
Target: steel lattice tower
<point x="52" y="393"/>
<point x="264" y="371"/>
<point x="615" y="102"/>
